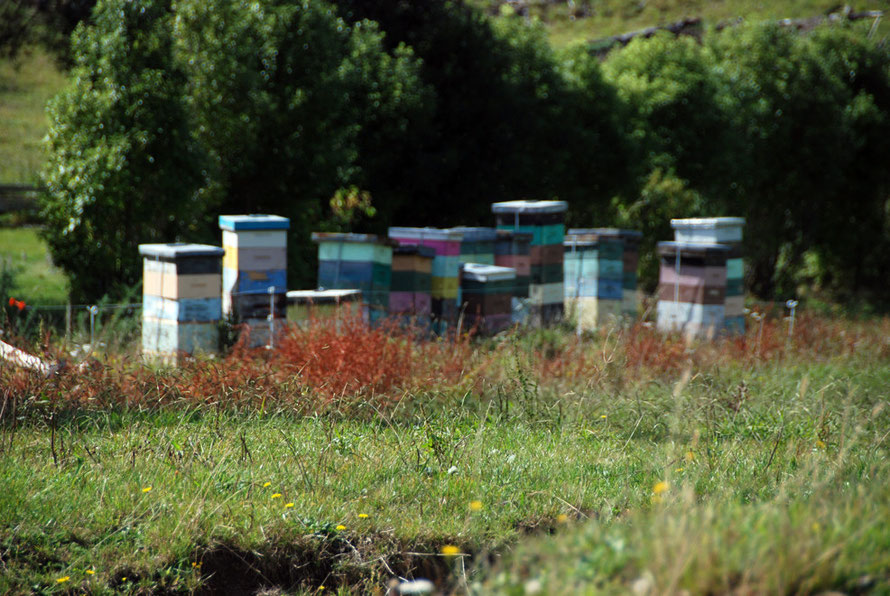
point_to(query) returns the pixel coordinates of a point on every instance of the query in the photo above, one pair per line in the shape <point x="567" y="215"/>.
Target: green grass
<point x="611" y="17"/>
<point x="776" y="473"/>
<point x="36" y="280"/>
<point x="25" y="88"/>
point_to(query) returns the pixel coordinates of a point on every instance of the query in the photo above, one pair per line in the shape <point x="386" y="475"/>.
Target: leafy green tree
<point x="123" y="167"/>
<point x="673" y="90"/>
<point x="507" y="122"/>
<point x="293" y="103"/>
<point x="812" y="113"/>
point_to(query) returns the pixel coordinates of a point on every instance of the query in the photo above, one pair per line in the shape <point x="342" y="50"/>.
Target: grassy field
<point x="584" y="20"/>
<point x="25" y="87"/>
<point x="537" y="463"/>
<point x="36" y="280"/>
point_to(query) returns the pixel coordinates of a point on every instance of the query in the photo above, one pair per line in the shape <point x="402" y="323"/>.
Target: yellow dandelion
<point x="123" y="579"/>
<point x="276" y="496"/>
<point x="660" y="487"/>
<point x="288" y="505"/>
<point x="363" y="516"/>
<point x="690" y="456"/>
<point x="62" y="580"/>
<point x="678" y="470"/>
<point x="449" y="550"/>
<point x="340" y="528"/>
<point x="267" y="484"/>
<point x="90" y="572"/>
<point x="603" y="416"/>
<point x="147" y="489"/>
<point x="475" y="505"/>
<point x="562" y="518"/>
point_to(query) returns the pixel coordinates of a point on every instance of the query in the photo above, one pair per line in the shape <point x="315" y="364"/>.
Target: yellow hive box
<point x="258" y="258"/>
<point x="444" y="287"/>
<point x="593" y="313"/>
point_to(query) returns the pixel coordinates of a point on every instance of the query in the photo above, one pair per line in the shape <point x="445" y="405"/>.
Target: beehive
<point x="594" y="272"/>
<point x="306" y="306"/>
<point x="692" y="288"/>
<point x="512" y="249"/>
<point x="630" y="293"/>
<point x="445" y="269"/>
<point x="254" y="274"/>
<point x="357" y="261"/>
<point x="410" y="298"/>
<point x="181" y="304"/>
<point x="544" y="220"/>
<point x="726" y="231"/>
<point x="487" y="291"/>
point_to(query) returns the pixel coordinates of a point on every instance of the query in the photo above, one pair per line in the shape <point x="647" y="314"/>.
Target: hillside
<point x="585" y="20"/>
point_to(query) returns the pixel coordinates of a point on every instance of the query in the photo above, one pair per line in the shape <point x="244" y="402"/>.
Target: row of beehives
<point x="187" y="288"/>
<point x="524" y="271"/>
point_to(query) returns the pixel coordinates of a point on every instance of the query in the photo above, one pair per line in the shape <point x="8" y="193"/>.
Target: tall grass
<point x="755" y="464"/>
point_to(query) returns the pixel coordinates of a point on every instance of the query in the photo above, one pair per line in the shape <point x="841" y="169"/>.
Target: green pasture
<point x="771" y="479"/>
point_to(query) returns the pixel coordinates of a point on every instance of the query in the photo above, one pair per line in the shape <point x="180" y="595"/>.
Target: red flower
<point x="12" y="302"/>
<point x="20" y="304"/>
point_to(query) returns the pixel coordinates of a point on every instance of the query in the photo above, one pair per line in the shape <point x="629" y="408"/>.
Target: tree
<point x="292" y="104"/>
<point x="123" y="167"/>
<point x="507" y="123"/>
<point x="812" y="112"/>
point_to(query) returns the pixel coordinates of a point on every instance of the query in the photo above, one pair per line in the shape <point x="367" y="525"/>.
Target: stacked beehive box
<point x="726" y="231"/>
<point x="445" y="270"/>
<point x="487" y="291"/>
<point x="254" y="274"/>
<point x="594" y="272"/>
<point x="357" y="261"/>
<point x="307" y="306"/>
<point x="544" y="220"/>
<point x="512" y="250"/>
<point x="630" y="294"/>
<point x="477" y="245"/>
<point x="692" y="288"/>
<point x="410" y="299"/>
<point x="181" y="304"/>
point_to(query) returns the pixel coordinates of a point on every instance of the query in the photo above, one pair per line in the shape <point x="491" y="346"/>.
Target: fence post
<point x="94" y="310"/>
<point x="271" y="317"/>
<point x="68" y="322"/>
<point x="792" y="306"/>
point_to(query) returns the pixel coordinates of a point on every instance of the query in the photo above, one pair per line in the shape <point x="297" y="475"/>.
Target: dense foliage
<point x="124" y="167"/>
<point x="434" y="111"/>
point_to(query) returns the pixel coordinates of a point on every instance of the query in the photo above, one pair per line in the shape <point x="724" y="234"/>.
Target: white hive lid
<point x="426" y="234"/>
<point x="484" y="273"/>
<point x="179" y="250"/>
<point x="323" y="296"/>
<point x="530" y="207"/>
<point x="708" y="223"/>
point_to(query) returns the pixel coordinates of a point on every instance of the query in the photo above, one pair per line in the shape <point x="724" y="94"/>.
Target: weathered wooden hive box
<point x="445" y="272"/>
<point x="594" y="272"/>
<point x="307" y="306"/>
<point x="181" y="303"/>
<point x="487" y="291"/>
<point x="410" y="297"/>
<point x="729" y="232"/>
<point x="545" y="221"/>
<point x="255" y="272"/>
<point x="692" y="288"/>
<point x="357" y="261"/>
